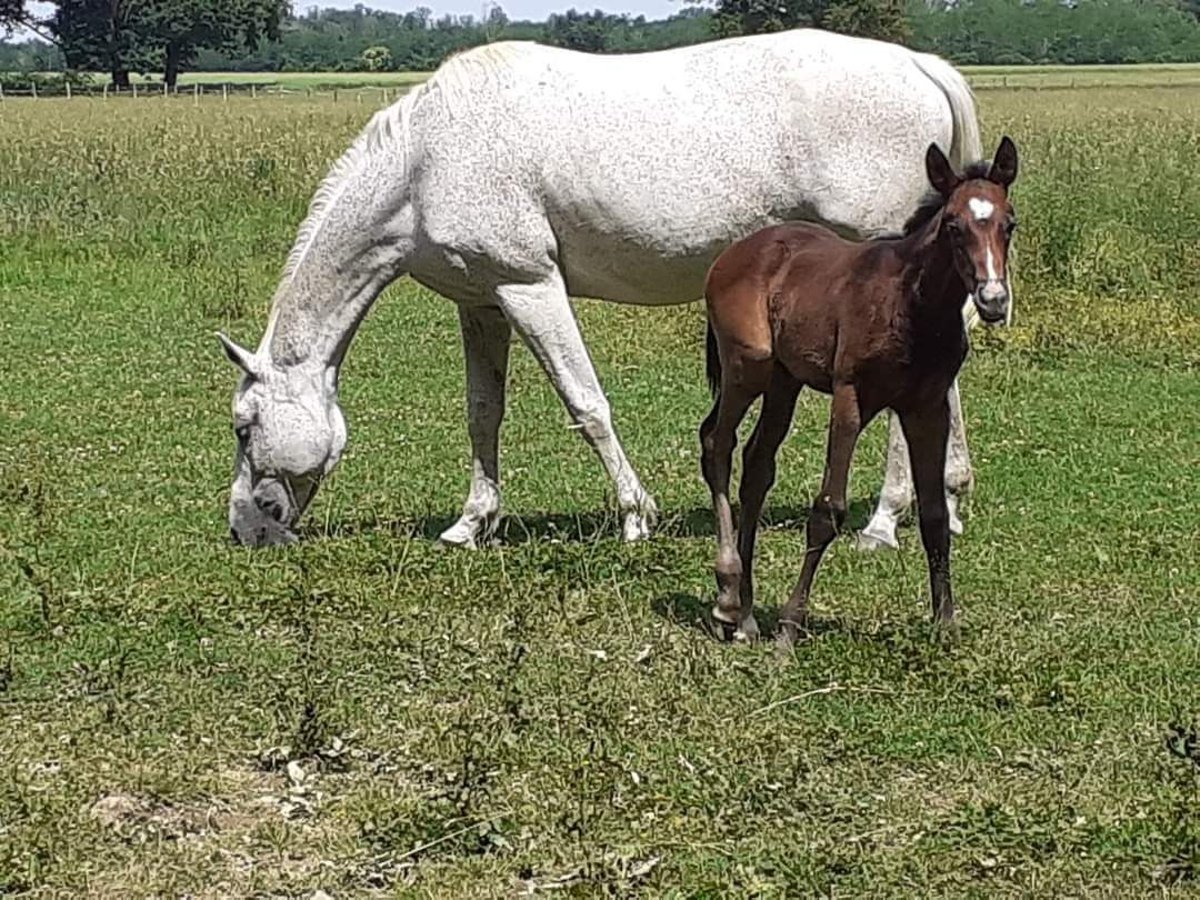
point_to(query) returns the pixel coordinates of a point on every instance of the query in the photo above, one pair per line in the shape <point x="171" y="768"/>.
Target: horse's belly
<point x="627" y="272"/>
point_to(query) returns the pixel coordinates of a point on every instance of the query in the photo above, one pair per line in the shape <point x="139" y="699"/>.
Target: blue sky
<point x="516" y="9"/>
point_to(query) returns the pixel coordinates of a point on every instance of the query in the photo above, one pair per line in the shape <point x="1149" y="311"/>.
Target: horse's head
<point x="978" y="220"/>
<point x="290" y="434"/>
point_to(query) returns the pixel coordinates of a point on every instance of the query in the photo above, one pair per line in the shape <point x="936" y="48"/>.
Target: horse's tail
<point x="966" y="146"/>
<point x="712" y="360"/>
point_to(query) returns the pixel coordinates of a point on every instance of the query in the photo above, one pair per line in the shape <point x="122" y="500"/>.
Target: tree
<point x="582" y="31"/>
<point x="12" y="14"/>
<point x="376" y="59"/>
<point x="882" y="19"/>
<point x="101" y="34"/>
<point x="180" y="28"/>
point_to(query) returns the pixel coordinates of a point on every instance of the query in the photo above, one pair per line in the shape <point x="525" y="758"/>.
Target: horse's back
<point x="633" y="172"/>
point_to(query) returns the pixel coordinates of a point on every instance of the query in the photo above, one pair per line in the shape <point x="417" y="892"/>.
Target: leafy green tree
<point x="179" y="28"/>
<point x="582" y="31"/>
<point x="101" y="35"/>
<point x="376" y="59"/>
<point x="882" y="19"/>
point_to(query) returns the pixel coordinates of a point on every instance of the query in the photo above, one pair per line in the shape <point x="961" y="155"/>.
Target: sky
<point x="536" y="10"/>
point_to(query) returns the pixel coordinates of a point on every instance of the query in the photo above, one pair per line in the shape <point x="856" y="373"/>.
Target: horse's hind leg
<point x="541" y="314"/>
<point x="896" y="498"/>
<point x="829" y="508"/>
<point x="718" y="436"/>
<point x="486" y="337"/>
<point x="758" y="475"/>
<point x="959" y="479"/>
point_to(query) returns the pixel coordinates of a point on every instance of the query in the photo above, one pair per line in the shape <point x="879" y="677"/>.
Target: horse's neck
<point x="938" y="291"/>
<point x="316" y="314"/>
<point x="342" y="261"/>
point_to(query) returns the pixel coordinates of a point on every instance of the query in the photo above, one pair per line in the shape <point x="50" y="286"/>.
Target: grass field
<point x="371" y="716"/>
<point x="981" y="77"/>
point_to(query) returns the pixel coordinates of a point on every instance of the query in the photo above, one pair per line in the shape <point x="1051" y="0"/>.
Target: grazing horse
<point x="876" y="324"/>
<point x="520" y="175"/>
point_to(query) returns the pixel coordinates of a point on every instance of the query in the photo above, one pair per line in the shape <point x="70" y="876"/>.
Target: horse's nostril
<point x="233" y="536"/>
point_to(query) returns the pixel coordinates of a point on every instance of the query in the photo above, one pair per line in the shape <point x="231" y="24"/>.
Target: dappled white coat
<point x="520" y="174"/>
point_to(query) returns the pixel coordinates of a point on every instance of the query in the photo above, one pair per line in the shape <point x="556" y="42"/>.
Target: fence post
<point x="134" y="90"/>
<point x="253" y="91"/>
<point x="225" y="92"/>
<point x="335" y="92"/>
<point x="1" y="92"/>
<point x="68" y="84"/>
<point x="196" y="94"/>
<point x="33" y="89"/>
<point x="358" y="97"/>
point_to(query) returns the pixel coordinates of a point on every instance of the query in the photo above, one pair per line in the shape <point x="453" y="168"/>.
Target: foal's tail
<point x="712" y="361"/>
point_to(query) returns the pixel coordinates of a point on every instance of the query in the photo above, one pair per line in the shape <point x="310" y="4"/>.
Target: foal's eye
<point x="1010" y="226"/>
<point x="243" y="433"/>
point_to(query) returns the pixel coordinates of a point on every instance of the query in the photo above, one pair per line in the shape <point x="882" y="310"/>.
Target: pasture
<point x="368" y="715"/>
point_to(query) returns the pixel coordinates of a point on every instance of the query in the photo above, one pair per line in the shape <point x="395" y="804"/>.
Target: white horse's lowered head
<point x="290" y="433"/>
<point x="520" y="175"/>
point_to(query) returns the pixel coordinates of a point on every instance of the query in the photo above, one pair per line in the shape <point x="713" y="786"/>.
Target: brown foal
<point x="878" y="324"/>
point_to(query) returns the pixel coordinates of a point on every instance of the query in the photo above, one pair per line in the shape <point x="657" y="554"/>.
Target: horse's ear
<point x="239" y="356"/>
<point x="1004" y="164"/>
<point x="939" y="171"/>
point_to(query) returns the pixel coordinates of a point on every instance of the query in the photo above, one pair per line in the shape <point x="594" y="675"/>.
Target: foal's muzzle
<point x="991" y="301"/>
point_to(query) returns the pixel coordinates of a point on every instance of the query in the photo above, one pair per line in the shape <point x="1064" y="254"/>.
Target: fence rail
<point x="195" y="92"/>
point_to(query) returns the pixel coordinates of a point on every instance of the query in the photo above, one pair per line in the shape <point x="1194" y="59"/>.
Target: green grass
<point x="552" y="711"/>
<point x="981" y="77"/>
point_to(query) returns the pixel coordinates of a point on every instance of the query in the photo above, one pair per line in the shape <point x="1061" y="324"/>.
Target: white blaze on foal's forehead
<point x="980" y="208"/>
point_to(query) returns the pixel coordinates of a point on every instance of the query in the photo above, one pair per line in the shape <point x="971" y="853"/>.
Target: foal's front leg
<point x="926" y="430"/>
<point x="829" y="508"/>
<point x="718" y="435"/>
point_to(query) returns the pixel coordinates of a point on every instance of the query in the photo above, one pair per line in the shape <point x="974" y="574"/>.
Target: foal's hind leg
<point x="828" y="509"/>
<point x="758" y="475"/>
<point x="718" y="435"/>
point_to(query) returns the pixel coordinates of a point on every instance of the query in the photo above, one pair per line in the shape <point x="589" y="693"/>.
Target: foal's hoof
<point x="869" y="541"/>
<point x="790" y="633"/>
<point x="743" y="632"/>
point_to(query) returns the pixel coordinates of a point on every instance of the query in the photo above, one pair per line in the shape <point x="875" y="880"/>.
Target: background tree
<point x="179" y="28"/>
<point x="882" y="19"/>
<point x="376" y="59"/>
<point x="101" y="35"/>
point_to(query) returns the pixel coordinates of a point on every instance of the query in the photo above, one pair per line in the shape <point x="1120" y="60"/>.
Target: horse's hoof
<point x="956" y="525"/>
<point x="459" y="536"/>
<point x="638" y="523"/>
<point x="869" y="541"/>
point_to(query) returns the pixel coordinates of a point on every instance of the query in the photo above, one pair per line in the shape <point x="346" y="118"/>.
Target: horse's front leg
<point x="927" y="430"/>
<point x="829" y="508"/>
<point x="486" y="337"/>
<point x="541" y="314"/>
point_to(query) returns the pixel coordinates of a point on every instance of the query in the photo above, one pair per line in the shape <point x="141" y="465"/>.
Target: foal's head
<point x="978" y="221"/>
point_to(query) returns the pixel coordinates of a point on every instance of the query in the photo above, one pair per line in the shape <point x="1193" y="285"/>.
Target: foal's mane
<point x="933" y="202"/>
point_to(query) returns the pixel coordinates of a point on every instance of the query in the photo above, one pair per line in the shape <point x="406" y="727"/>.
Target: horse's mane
<point x="933" y="202"/>
<point x="453" y="84"/>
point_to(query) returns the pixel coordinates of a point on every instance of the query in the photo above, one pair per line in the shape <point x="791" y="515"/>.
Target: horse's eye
<point x="243" y="433"/>
<point x="1010" y="226"/>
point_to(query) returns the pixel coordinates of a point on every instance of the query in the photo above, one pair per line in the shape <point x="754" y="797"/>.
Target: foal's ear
<point x="1004" y="164"/>
<point x="239" y="356"/>
<point x="939" y="171"/>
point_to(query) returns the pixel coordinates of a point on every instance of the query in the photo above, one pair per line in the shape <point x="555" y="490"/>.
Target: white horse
<point x="520" y="175"/>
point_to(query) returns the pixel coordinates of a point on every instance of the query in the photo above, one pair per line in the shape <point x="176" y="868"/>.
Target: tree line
<point x="120" y="37"/>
